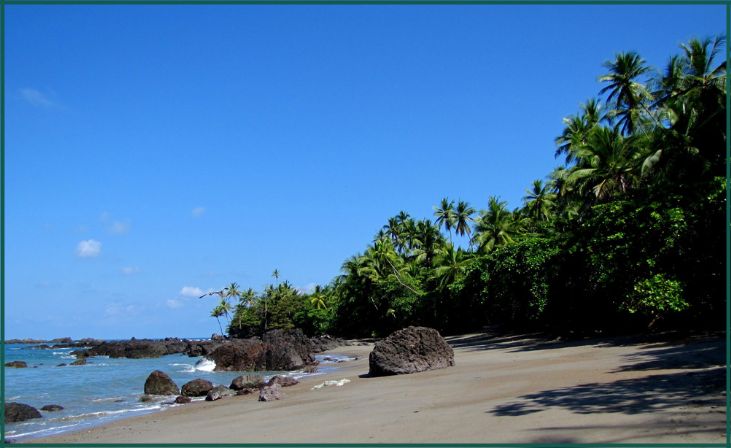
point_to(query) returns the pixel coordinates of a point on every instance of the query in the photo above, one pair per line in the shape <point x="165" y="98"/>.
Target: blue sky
<point x="153" y="152"/>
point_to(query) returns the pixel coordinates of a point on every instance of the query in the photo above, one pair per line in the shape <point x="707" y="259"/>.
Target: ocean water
<point x="104" y="389"/>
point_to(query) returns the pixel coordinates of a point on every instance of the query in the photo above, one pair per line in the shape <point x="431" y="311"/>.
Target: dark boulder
<point x="79" y="362"/>
<point x="246" y="382"/>
<point x="159" y="383"/>
<point x="240" y="354"/>
<point x="18" y="412"/>
<point x="16" y="364"/>
<point x="287" y="349"/>
<point x="270" y="393"/>
<point x="52" y="407"/>
<point x="282" y="380"/>
<point x="63" y="364"/>
<point x="182" y="400"/>
<point x="413" y="349"/>
<point x="196" y="388"/>
<point x="135" y="349"/>
<point x="145" y="398"/>
<point x="219" y="392"/>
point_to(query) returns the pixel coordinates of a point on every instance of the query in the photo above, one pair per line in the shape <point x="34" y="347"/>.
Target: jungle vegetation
<point x="628" y="233"/>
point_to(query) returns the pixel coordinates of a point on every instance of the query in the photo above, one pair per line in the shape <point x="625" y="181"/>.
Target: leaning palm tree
<point x="625" y="93"/>
<point x="217" y="312"/>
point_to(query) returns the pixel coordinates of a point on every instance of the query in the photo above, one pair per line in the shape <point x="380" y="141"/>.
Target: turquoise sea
<point x="104" y="389"/>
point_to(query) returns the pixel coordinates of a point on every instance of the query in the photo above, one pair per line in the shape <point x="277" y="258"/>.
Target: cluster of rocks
<point x="160" y="383"/>
<point x="18" y="412"/>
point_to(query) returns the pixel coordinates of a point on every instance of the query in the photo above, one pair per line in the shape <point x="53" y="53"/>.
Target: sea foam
<point x="205" y="365"/>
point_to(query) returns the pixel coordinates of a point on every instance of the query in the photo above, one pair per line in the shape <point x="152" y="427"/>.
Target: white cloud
<point x="36" y="98"/>
<point x="198" y="212"/>
<point x="191" y="291"/>
<point x="119" y="227"/>
<point x="88" y="248"/>
<point x="129" y="270"/>
<point x="173" y="304"/>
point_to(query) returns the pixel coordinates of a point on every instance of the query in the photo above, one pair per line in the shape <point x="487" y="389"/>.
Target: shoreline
<point x="501" y="389"/>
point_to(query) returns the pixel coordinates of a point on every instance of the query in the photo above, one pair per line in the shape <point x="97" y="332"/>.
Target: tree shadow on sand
<point x="628" y="396"/>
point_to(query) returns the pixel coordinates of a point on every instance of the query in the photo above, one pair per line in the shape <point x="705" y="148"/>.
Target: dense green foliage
<point x="627" y="234"/>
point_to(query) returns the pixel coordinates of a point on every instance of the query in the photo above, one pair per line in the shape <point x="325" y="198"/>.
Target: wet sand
<point x="519" y="389"/>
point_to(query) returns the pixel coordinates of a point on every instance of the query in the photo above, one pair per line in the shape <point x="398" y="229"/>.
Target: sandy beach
<point x="502" y="389"/>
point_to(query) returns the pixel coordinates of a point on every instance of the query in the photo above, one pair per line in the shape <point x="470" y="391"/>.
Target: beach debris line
<point x="336" y="383"/>
<point x="18" y="412"/>
<point x="160" y="383"/>
<point x="410" y="350"/>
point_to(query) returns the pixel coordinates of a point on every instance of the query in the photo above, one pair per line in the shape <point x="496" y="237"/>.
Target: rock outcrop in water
<point x="52" y="408"/>
<point x="413" y="349"/>
<point x="16" y="364"/>
<point x="219" y="392"/>
<point x="18" y="412"/>
<point x="159" y="383"/>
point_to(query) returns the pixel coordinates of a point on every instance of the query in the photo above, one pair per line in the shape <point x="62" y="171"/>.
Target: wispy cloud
<point x="88" y="248"/>
<point x="114" y="226"/>
<point x="36" y="98"/>
<point x="121" y="310"/>
<point x="173" y="304"/>
<point x="129" y="270"/>
<point x="198" y="212"/>
<point x="191" y="291"/>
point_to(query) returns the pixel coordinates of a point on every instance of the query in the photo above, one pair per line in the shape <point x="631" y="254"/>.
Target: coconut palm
<point x="608" y="164"/>
<point x="463" y="219"/>
<point x="495" y="226"/>
<point x="624" y="91"/>
<point x="217" y="312"/>
<point x="576" y="132"/>
<point x="539" y="201"/>
<point x="444" y="215"/>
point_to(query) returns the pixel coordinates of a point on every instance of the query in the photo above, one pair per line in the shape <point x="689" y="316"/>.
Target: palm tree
<point x="494" y="227"/>
<point x="539" y="201"/>
<point x="576" y="132"/>
<point x="317" y="298"/>
<point x="607" y="165"/>
<point x="625" y="93"/>
<point x="463" y="219"/>
<point x="444" y="215"/>
<point x="218" y="312"/>
<point x="450" y="265"/>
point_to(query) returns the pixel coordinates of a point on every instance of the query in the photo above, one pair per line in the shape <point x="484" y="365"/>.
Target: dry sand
<point x="502" y="389"/>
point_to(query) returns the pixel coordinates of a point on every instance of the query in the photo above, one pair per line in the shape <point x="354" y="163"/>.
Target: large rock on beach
<point x="413" y="349"/>
<point x="282" y="380"/>
<point x="18" y="412"/>
<point x="182" y="400"/>
<point x="219" y="392"/>
<point x="52" y="407"/>
<point x="196" y="388"/>
<point x="240" y="354"/>
<point x="287" y="349"/>
<point x="16" y="364"/>
<point x="246" y="382"/>
<point x="270" y="393"/>
<point x="159" y="383"/>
